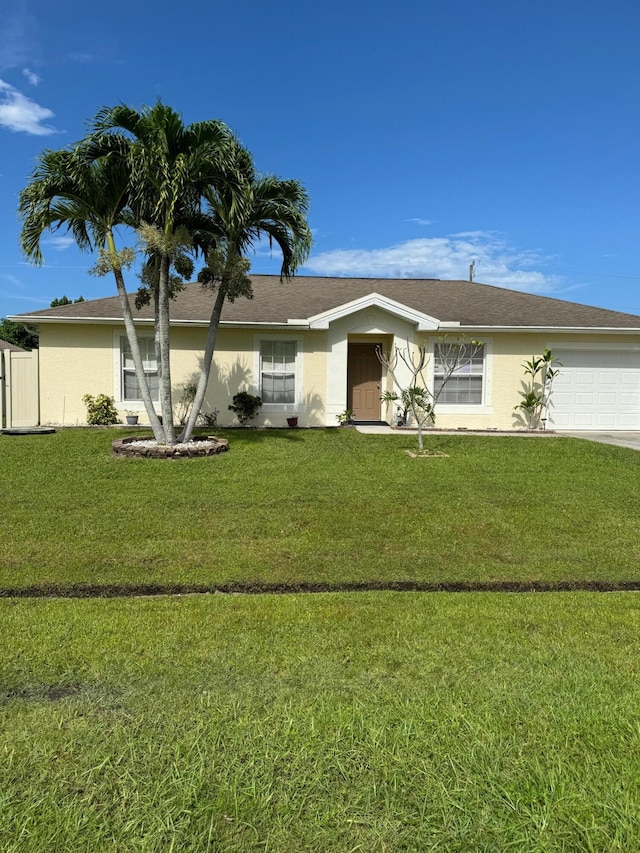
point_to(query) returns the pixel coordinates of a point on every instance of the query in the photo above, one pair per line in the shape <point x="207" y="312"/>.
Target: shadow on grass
<point x="256" y="435"/>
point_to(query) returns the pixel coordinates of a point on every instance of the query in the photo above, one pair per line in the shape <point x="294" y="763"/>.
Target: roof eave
<point x="594" y="330"/>
<point x="148" y="321"/>
<point x="39" y="319"/>
<point x="302" y="324"/>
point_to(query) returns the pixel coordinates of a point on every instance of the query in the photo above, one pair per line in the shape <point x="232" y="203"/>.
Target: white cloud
<point x="18" y="29"/>
<point x="31" y="76"/>
<point x="11" y="279"/>
<point x="21" y="114"/>
<point x="497" y="262"/>
<point x="60" y="242"/>
<point x="37" y="300"/>
<point x="420" y="221"/>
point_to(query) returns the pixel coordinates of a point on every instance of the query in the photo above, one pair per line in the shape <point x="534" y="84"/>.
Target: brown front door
<point x="364" y="374"/>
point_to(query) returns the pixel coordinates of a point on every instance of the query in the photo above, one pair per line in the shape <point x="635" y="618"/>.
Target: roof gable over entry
<point x="424" y="322"/>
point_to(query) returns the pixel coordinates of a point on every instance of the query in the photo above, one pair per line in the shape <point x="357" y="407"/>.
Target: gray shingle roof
<point x="469" y="303"/>
<point x="12" y="347"/>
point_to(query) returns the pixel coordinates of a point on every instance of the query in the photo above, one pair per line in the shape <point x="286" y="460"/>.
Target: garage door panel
<point x="628" y="420"/>
<point x="630" y="401"/>
<point x="583" y="378"/>
<point x="609" y="377"/>
<point x="561" y="421"/>
<point x="584" y="420"/>
<point x="607" y="400"/>
<point x="604" y="420"/>
<point x="597" y="389"/>
<point x="584" y="399"/>
<point x="561" y="401"/>
<point x="630" y="379"/>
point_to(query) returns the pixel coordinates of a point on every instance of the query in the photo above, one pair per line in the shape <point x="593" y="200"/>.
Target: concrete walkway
<point x="387" y="430"/>
<point x="620" y="439"/>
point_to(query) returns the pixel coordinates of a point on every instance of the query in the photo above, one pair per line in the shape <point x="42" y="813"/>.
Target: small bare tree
<point x="417" y="398"/>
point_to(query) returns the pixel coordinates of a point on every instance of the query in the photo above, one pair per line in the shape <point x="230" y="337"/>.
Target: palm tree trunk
<point x="156" y="337"/>
<point x="134" y="345"/>
<point x="203" y="381"/>
<point x="165" y="351"/>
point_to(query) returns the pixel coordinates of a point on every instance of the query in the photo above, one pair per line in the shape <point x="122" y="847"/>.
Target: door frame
<point x="370" y="344"/>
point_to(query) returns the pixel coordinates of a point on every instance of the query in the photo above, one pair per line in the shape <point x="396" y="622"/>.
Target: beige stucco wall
<point x="506" y="353"/>
<point x="236" y="368"/>
<point x="79" y="359"/>
<point x="74" y="360"/>
<point x="83" y="359"/>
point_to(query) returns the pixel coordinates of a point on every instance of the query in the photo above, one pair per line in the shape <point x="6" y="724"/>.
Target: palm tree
<point x="147" y="170"/>
<point x="240" y="216"/>
<point x="89" y="199"/>
<point x="170" y="166"/>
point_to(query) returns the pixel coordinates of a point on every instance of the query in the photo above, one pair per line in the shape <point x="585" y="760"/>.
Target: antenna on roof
<point x="472" y="268"/>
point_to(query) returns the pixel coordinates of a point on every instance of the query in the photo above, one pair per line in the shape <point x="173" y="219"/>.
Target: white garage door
<point x="596" y="389"/>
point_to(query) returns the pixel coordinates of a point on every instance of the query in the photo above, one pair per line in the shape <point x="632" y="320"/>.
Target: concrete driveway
<point x="620" y="439"/>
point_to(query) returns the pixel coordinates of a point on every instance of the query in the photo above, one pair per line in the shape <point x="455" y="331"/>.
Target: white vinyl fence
<point x="19" y="389"/>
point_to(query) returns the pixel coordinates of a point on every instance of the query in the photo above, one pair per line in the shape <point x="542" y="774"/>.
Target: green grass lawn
<point x="331" y="722"/>
<point x="328" y="506"/>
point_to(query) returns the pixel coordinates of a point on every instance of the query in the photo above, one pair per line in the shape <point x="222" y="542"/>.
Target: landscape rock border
<point x="211" y="445"/>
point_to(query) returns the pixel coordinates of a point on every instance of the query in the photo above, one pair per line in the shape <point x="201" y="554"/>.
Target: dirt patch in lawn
<point x="250" y="588"/>
<point x="41" y="693"/>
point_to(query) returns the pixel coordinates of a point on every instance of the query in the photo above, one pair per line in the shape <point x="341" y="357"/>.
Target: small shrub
<point x="186" y="401"/>
<point x="101" y="410"/>
<point x="208" y="419"/>
<point x="542" y="370"/>
<point x="246" y="406"/>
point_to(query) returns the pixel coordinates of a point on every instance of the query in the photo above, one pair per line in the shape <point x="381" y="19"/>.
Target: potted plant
<point x="345" y="418"/>
<point x="292" y="422"/>
<point x="132" y="418"/>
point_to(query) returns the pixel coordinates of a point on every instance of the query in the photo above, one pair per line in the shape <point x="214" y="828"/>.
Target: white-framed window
<point x="465" y="385"/>
<point x="278" y="372"/>
<point x="129" y="389"/>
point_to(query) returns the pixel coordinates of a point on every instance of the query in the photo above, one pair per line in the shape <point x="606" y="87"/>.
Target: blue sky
<point x="428" y="134"/>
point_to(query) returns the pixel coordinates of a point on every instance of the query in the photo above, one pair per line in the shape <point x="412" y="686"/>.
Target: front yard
<point x="332" y="722"/>
<point x="334" y="506"/>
